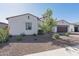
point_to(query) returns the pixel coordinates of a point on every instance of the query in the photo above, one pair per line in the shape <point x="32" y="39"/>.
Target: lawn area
<point x="34" y="44"/>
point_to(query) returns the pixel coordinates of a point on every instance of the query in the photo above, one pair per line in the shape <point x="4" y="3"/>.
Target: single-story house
<point x="3" y="25"/>
<point x="29" y="24"/>
<point x="23" y="24"/>
<point x="64" y="26"/>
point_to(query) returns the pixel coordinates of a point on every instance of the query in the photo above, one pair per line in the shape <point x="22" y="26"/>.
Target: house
<point x="29" y="24"/>
<point x="63" y="26"/>
<point x="76" y="26"/>
<point x="23" y="24"/>
<point x="3" y="25"/>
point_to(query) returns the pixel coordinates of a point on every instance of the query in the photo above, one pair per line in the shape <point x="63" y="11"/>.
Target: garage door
<point x="62" y="29"/>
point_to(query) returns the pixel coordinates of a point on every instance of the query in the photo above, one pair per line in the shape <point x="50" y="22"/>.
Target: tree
<point x="47" y="22"/>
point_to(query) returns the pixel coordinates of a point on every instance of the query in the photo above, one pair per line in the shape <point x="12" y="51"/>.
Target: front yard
<point x="34" y="44"/>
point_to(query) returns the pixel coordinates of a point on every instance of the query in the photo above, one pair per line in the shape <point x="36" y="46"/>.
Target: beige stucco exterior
<point x="17" y="25"/>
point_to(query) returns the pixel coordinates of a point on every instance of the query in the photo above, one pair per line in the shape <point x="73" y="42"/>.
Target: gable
<point x="63" y="22"/>
<point x="23" y="15"/>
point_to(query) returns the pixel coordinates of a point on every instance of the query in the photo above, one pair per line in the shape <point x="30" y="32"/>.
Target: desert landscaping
<point x="29" y="44"/>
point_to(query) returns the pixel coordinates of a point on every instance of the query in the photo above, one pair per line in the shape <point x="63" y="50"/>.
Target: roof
<point x="77" y="23"/>
<point x="3" y="23"/>
<point x="22" y="15"/>
<point x="63" y="22"/>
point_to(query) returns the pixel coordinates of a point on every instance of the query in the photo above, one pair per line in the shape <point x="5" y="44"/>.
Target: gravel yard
<point x="29" y="45"/>
<point x="15" y="49"/>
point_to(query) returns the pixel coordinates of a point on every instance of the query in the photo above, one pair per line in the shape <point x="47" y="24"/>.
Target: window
<point x="28" y="26"/>
<point x="28" y="17"/>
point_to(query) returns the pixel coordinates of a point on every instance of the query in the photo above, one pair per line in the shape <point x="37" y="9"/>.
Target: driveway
<point x="67" y="51"/>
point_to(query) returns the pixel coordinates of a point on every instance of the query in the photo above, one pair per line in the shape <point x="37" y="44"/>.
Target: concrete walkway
<point x="67" y="51"/>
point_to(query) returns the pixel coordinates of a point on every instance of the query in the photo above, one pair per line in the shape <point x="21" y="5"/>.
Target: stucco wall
<point x="17" y="25"/>
<point x="71" y="28"/>
<point x="54" y="29"/>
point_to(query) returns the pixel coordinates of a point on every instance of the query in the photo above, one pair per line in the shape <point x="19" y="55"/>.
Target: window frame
<point x="28" y="26"/>
<point x="28" y="17"/>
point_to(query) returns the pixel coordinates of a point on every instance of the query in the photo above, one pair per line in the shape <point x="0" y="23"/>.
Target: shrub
<point x="23" y="34"/>
<point x="40" y="32"/>
<point x="34" y="34"/>
<point x="4" y="36"/>
<point x="19" y="38"/>
<point x="66" y="34"/>
<point x="56" y="36"/>
<point x="35" y="39"/>
<point x="10" y="36"/>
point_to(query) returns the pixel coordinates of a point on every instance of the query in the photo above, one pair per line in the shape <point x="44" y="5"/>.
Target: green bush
<point x="40" y="32"/>
<point x="34" y="34"/>
<point x="19" y="38"/>
<point x="56" y="36"/>
<point x="4" y="36"/>
<point x="66" y="34"/>
<point x="10" y="36"/>
<point x="23" y="34"/>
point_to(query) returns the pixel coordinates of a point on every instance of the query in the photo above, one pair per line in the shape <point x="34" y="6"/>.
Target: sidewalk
<point x="67" y="51"/>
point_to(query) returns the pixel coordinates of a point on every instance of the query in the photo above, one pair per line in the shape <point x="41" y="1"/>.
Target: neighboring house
<point x="29" y="24"/>
<point x="3" y="25"/>
<point x="76" y="26"/>
<point x="64" y="26"/>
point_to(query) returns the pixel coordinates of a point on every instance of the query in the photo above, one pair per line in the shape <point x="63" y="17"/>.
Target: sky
<point x="61" y="11"/>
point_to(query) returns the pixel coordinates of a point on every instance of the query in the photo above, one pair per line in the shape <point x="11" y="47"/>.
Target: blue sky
<point x="61" y="11"/>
